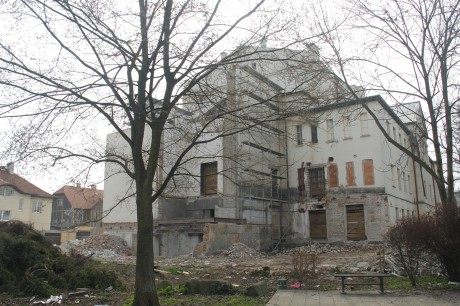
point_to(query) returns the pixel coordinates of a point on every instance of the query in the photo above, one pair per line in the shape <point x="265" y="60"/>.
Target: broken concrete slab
<point x="258" y="289"/>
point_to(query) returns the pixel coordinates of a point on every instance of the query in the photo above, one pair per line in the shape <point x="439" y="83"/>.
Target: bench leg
<point x="343" y="285"/>
<point x="381" y="285"/>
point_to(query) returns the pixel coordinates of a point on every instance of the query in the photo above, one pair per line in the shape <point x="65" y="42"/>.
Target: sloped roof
<point x="81" y="198"/>
<point x="20" y="184"/>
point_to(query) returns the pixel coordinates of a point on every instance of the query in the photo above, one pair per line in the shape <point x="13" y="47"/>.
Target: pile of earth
<point x="31" y="265"/>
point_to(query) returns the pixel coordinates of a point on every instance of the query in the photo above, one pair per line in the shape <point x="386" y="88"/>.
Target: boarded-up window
<point x="300" y="179"/>
<point x="318" y="226"/>
<point x="350" y="174"/>
<point x="356" y="229"/>
<point x="333" y="175"/>
<point x="317" y="182"/>
<point x="209" y="178"/>
<point x="368" y="172"/>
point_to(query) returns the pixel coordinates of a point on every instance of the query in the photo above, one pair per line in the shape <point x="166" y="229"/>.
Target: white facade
<point x="281" y="120"/>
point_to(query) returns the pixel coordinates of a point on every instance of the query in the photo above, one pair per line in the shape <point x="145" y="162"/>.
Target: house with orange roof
<point x="23" y="201"/>
<point x="76" y="206"/>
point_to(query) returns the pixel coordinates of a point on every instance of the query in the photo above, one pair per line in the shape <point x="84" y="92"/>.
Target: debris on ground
<point x="100" y="246"/>
<point x="239" y="250"/>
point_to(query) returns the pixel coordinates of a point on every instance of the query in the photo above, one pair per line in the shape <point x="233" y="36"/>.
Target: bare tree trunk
<point x="145" y="292"/>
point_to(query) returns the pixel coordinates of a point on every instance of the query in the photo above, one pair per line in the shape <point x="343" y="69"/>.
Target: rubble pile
<point x="240" y="250"/>
<point x="101" y="246"/>
<point x="323" y="248"/>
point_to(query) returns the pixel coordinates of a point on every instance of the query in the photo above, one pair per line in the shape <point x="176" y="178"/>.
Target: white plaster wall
<point x="118" y="186"/>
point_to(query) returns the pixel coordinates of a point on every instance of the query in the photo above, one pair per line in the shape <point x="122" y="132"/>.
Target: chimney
<point x="78" y="185"/>
<point x="10" y="167"/>
<point x="93" y="186"/>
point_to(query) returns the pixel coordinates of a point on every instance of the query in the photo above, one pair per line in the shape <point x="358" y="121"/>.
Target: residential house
<point x="306" y="162"/>
<point x="75" y="206"/>
<point x="23" y="201"/>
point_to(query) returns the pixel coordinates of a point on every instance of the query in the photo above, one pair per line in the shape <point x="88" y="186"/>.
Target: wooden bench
<point x="344" y="277"/>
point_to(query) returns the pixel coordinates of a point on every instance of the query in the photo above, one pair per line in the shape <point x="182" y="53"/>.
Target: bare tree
<point x="408" y="50"/>
<point x="82" y="65"/>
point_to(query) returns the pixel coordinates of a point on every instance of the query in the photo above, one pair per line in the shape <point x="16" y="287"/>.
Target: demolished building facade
<point x="301" y="159"/>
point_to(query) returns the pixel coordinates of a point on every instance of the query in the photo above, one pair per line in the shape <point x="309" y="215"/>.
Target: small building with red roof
<point x="21" y="200"/>
<point x="76" y="206"/>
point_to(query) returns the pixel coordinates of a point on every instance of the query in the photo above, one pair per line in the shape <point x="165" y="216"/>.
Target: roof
<point x="362" y="101"/>
<point x="81" y="198"/>
<point x="20" y="184"/>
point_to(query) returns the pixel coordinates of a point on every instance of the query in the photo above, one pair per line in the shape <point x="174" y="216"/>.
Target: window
<point x="21" y="204"/>
<point x="404" y="142"/>
<point x="330" y="130"/>
<point x="350" y="174"/>
<point x="368" y="171"/>
<point x="364" y="124"/>
<point x="346" y="128"/>
<point x="399" y="178"/>
<point x="60" y="203"/>
<point x="317" y="182"/>
<point x="393" y="176"/>
<point x="409" y="183"/>
<point x="209" y="178"/>
<point x="314" y="134"/>
<point x="37" y="207"/>
<point x="4" y="215"/>
<point x="299" y="134"/>
<point x="388" y="127"/>
<point x="394" y="134"/>
<point x="400" y="139"/>
<point x="332" y="175"/>
<point x="6" y="191"/>
<point x="405" y="181"/>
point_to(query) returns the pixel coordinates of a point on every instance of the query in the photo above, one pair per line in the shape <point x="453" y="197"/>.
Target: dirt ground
<point x="239" y="265"/>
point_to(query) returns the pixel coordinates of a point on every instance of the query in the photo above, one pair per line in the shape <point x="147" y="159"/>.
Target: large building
<point x="23" y="201"/>
<point x="302" y="160"/>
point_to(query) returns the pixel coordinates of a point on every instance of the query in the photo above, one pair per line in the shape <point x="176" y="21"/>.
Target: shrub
<point x="437" y="234"/>
<point x="304" y="267"/>
<point x="441" y="237"/>
<point x="30" y="265"/>
<point x="406" y="241"/>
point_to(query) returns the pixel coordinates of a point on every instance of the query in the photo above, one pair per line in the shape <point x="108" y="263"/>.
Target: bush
<point x="437" y="234"/>
<point x="30" y="265"/>
<point x="304" y="267"/>
<point x="406" y="241"/>
<point x="442" y="238"/>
